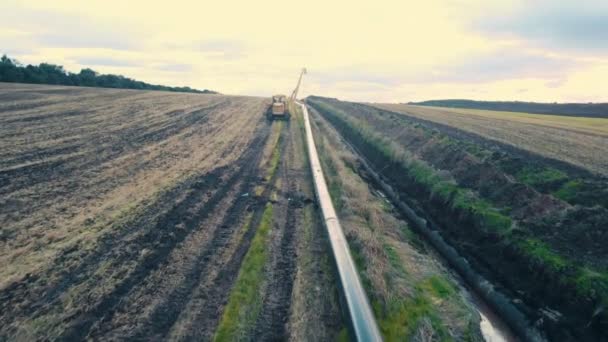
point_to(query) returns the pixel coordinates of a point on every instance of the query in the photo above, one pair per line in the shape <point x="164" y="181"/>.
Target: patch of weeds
<point x="477" y="150"/>
<point x="334" y="184"/>
<point x="343" y="336"/>
<point x="399" y="319"/>
<point x="413" y="238"/>
<point x="589" y="283"/>
<point x="592" y="282"/>
<point x="258" y="190"/>
<point x="493" y="219"/>
<point x="394" y="259"/>
<point x="444" y="190"/>
<point x="245" y="303"/>
<point x="359" y="259"/>
<point x="422" y="173"/>
<point x="276" y="156"/>
<point x="540" y="251"/>
<point x="473" y="333"/>
<point x="569" y="191"/>
<point x="335" y="191"/>
<point x="540" y="177"/>
<point x="489" y="217"/>
<point x="437" y="286"/>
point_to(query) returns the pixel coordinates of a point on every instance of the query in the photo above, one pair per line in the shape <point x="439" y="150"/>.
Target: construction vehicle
<point x="279" y="109"/>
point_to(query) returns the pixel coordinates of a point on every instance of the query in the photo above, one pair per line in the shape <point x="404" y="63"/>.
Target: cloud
<point x="105" y="61"/>
<point x="176" y="67"/>
<point x="49" y="28"/>
<point x="220" y="45"/>
<point x="85" y="38"/>
<point x="581" y="26"/>
<point x="503" y="64"/>
<point x="16" y="42"/>
<point x="357" y="74"/>
<point x="555" y="83"/>
<point x="227" y="49"/>
<point x="500" y="64"/>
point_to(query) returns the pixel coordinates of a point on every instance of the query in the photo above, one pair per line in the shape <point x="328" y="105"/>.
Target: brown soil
<point x="123" y="214"/>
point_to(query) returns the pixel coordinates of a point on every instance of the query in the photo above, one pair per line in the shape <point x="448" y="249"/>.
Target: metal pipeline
<point x="361" y="318"/>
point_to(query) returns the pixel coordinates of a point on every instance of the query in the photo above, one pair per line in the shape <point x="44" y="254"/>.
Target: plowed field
<point x="137" y="215"/>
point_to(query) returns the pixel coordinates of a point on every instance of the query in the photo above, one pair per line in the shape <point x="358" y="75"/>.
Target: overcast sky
<point x="380" y="50"/>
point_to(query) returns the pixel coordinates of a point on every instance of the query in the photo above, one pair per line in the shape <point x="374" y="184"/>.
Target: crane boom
<point x="294" y="94"/>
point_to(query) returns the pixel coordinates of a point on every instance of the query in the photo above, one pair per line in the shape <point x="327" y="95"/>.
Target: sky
<point x="373" y="51"/>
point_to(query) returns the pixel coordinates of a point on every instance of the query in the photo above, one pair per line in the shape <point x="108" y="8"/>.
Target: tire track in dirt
<point x="276" y="304"/>
<point x="115" y="245"/>
<point x="202" y="184"/>
<point x="213" y="294"/>
<point x="161" y="243"/>
<point x="165" y="314"/>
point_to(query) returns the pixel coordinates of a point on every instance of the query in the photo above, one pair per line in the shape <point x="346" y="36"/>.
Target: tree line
<point x="44" y="73"/>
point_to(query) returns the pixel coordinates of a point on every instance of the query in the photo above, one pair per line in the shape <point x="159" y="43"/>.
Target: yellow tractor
<point x="278" y="108"/>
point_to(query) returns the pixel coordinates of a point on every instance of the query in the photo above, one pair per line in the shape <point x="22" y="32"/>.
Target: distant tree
<point x="46" y="73"/>
<point x="54" y="74"/>
<point x="31" y="74"/>
<point x="10" y="70"/>
<point x="87" y="77"/>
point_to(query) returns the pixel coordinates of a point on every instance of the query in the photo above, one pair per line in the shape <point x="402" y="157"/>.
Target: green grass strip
<point x="276" y="154"/>
<point x="569" y="191"/>
<point x="400" y="318"/>
<point x="245" y="302"/>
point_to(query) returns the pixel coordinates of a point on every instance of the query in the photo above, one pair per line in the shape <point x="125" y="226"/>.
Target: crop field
<point x="150" y="215"/>
<point x="531" y="224"/>
<point x="580" y="141"/>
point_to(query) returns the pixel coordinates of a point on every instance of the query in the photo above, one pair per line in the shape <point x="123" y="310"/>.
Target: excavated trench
<point x="492" y="326"/>
<point x="500" y="319"/>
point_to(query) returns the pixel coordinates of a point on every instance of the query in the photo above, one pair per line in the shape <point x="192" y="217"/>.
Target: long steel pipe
<point x="361" y="317"/>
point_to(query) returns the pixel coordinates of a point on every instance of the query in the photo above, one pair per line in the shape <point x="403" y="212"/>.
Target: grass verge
<point x="403" y="318"/>
<point x="273" y="163"/>
<point x="245" y="302"/>
<point x="408" y="302"/>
